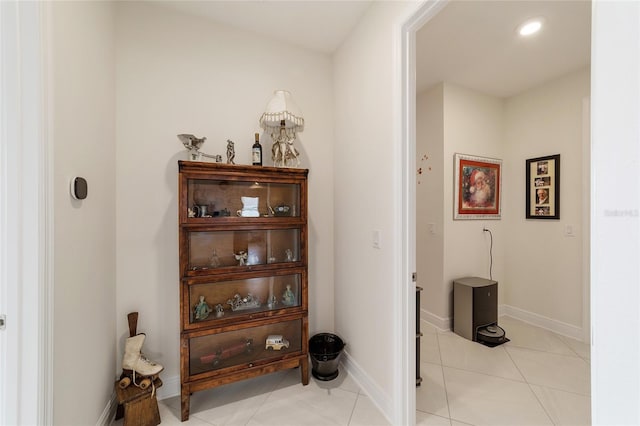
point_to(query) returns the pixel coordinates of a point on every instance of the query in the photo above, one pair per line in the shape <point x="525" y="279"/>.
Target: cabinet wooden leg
<point x="184" y="399"/>
<point x="304" y="371"/>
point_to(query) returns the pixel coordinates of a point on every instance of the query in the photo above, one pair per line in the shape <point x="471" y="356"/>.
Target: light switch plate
<point x="375" y="238"/>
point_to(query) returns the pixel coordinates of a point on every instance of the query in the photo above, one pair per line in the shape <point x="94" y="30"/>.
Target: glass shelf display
<point x="242" y="253"/>
<point x="251" y="296"/>
<point x="224" y="198"/>
<point x="210" y="250"/>
<point x="248" y="346"/>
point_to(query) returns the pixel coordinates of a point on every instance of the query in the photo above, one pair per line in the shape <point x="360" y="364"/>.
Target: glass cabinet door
<point x="246" y="347"/>
<point x="219" y="249"/>
<point x="236" y="297"/>
<point x="227" y="198"/>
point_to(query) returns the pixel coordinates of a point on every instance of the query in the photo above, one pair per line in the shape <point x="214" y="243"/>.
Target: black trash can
<point x="325" y="350"/>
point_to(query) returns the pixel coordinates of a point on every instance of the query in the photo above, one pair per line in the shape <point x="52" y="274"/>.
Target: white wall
<point x="367" y="196"/>
<point x="473" y="125"/>
<point x="542" y="121"/>
<point x="182" y="74"/>
<point x="83" y="105"/>
<point x="429" y="205"/>
<point x="543" y="272"/>
<point x="453" y="119"/>
<point x="615" y="356"/>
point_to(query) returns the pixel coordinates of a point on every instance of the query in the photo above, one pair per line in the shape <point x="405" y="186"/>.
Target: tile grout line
<point x="535" y="395"/>
<point x="481" y="374"/>
<point x="444" y="380"/>
<point x="515" y="346"/>
<point x="553" y="354"/>
<point x="562" y="338"/>
<point x="353" y="410"/>
<point x="264" y="401"/>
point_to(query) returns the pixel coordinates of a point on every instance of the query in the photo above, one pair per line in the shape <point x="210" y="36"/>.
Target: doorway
<point x="440" y="225"/>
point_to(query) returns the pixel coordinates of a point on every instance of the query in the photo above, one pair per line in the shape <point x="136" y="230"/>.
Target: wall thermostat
<point x="79" y="188"/>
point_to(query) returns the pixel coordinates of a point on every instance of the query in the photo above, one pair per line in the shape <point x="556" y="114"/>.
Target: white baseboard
<point x="541" y="321"/>
<point x="442" y="324"/>
<point x="368" y="386"/>
<point x="170" y="388"/>
<point x="109" y="412"/>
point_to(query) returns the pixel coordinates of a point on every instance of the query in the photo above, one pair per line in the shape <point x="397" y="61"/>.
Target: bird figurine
<point x="191" y="142"/>
<point x="193" y="145"/>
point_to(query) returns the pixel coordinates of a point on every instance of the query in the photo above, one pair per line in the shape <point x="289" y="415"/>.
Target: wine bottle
<point x="256" y="151"/>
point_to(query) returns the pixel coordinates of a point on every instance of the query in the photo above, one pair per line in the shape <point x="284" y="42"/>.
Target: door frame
<point x="405" y="406"/>
<point x="26" y="217"/>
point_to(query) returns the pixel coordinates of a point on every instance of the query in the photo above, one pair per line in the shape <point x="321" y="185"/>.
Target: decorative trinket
<point x="288" y="298"/>
<point x="239" y="303"/>
<point x="289" y="254"/>
<point x="231" y="152"/>
<point x="219" y="310"/>
<point x="241" y="257"/>
<point x="202" y="310"/>
<point x="249" y="207"/>
<point x="214" y="260"/>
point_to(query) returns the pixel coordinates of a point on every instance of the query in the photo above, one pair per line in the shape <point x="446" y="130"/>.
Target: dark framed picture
<point x="543" y="187"/>
<point x="477" y="187"/>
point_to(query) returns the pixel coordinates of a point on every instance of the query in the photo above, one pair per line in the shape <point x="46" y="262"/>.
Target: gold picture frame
<point x="477" y="187"/>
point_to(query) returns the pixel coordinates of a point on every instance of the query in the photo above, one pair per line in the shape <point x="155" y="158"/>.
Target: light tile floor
<point x="539" y="378"/>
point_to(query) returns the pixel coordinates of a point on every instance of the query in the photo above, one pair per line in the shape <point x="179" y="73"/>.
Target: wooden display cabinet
<point x="249" y="271"/>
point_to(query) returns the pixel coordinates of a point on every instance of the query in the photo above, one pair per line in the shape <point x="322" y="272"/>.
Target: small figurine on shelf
<point x="193" y="145"/>
<point x="272" y="302"/>
<point x="282" y="210"/>
<point x="202" y="309"/>
<point x="190" y="212"/>
<point x="214" y="260"/>
<point x="241" y="257"/>
<point x="288" y="298"/>
<point x="289" y="254"/>
<point x="231" y="152"/>
<point x="219" y="310"/>
<point x="239" y="303"/>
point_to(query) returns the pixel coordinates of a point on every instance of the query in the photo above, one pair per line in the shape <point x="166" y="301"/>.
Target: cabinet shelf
<point x="279" y="292"/>
<point x="234" y="348"/>
<point x="242" y="221"/>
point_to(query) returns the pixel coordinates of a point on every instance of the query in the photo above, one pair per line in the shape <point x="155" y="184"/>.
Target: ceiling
<point x="475" y="44"/>
<point x="472" y="43"/>
<point x="313" y="24"/>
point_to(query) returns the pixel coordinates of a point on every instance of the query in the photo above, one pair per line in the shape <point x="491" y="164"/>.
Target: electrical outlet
<point x="569" y="231"/>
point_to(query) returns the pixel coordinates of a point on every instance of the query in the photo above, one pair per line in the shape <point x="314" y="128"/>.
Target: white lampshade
<point x="282" y="107"/>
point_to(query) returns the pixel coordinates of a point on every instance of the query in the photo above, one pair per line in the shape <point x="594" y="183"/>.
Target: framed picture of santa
<point x="477" y="187"/>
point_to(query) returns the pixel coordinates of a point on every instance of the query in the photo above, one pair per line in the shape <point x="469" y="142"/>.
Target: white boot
<point x="134" y="359"/>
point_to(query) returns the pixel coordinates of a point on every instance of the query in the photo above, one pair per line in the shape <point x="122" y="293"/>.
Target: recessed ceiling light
<point x="530" y="27"/>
